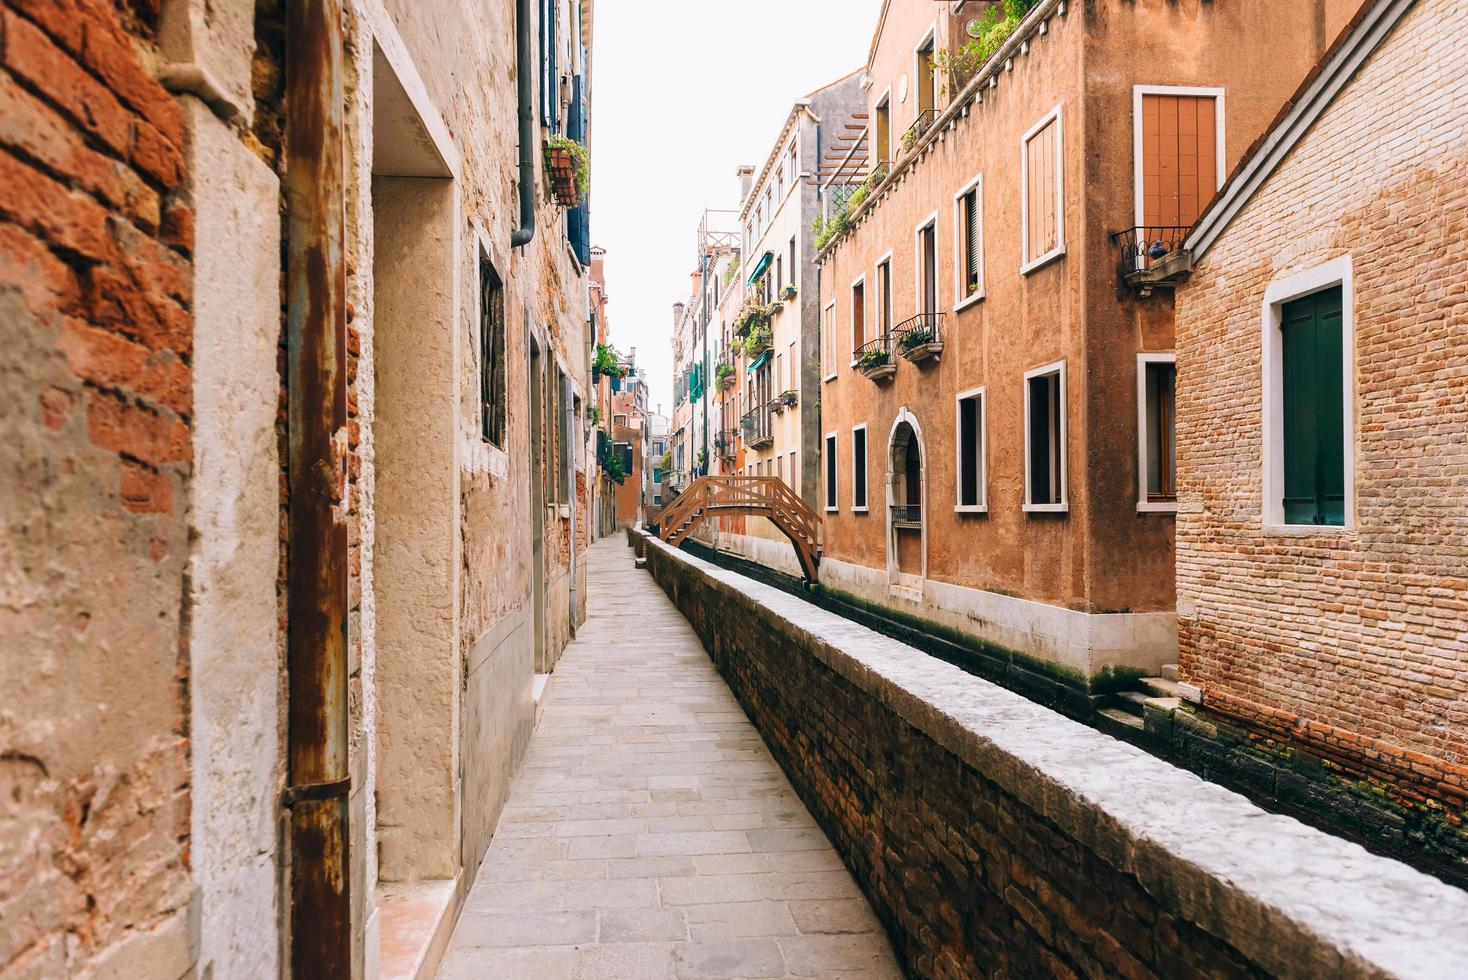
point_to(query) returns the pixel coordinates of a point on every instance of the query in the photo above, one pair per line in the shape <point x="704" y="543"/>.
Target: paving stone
<point x="525" y="928"/>
<point x="745" y="960"/>
<point x="722" y="921"/>
<point x="866" y="955"/>
<point x="642" y="925"/>
<point x="710" y="888"/>
<point x="834" y="915"/>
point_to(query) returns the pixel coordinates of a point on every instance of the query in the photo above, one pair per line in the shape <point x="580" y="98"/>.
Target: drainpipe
<point x="316" y="578"/>
<point x="571" y="425"/>
<point x="525" y="92"/>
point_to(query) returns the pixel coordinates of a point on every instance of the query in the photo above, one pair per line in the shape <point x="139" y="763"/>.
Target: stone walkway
<point x="649" y="833"/>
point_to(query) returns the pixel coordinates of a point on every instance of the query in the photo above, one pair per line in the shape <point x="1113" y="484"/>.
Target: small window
<point x="794" y="269"/>
<point x="927" y="260"/>
<point x="619" y="420"/>
<point x="1314" y="410"/>
<point x="828" y="342"/>
<point x="858" y="316"/>
<point x="779" y="273"/>
<point x="859" y="468"/>
<point x="1157" y="460"/>
<point x="657" y="474"/>
<point x="491" y="354"/>
<point x="1042" y="222"/>
<point x="882" y="145"/>
<point x="971" y="430"/>
<point x="884" y="297"/>
<point x="830" y="455"/>
<point x="926" y="79"/>
<point x="1045" y="439"/>
<point x="969" y="243"/>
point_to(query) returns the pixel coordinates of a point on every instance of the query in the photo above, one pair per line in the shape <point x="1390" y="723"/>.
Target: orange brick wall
<point x="1353" y="641"/>
<point x="95" y="407"/>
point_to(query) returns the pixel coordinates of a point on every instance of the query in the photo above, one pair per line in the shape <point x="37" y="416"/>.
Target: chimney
<point x="745" y="173"/>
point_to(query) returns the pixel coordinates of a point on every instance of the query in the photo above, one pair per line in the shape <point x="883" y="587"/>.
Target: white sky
<point x="683" y="91"/>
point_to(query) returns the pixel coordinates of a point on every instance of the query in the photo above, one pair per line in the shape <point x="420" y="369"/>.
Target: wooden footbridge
<point x="756" y="496"/>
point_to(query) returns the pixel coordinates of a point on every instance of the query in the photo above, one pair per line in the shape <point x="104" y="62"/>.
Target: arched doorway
<point x="907" y="529"/>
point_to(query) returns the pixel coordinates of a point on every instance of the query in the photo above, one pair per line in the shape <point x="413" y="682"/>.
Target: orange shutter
<point x="1179" y="158"/>
<point x="1041" y="223"/>
<point x="858" y="317"/>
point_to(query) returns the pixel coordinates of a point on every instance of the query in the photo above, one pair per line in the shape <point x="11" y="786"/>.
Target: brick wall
<point x="1352" y="642"/>
<point x="996" y="838"/>
<point x="95" y="407"/>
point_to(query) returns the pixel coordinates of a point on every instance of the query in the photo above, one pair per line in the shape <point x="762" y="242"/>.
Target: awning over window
<point x="760" y="268"/>
<point x="755" y="364"/>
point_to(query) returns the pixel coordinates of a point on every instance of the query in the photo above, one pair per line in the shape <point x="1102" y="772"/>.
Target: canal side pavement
<point x="649" y="833"/>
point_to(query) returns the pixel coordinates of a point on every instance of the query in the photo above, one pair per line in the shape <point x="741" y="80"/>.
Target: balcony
<point x="785" y="399"/>
<point x="918" y="129"/>
<point x="1152" y="257"/>
<point x="921" y="337"/>
<point x="874" y="358"/>
<point x="757" y="429"/>
<point x="726" y="443"/>
<point x="907" y="515"/>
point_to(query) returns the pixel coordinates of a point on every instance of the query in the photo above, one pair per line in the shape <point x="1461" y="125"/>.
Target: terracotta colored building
<point x="996" y="359"/>
<point x="1322" y="544"/>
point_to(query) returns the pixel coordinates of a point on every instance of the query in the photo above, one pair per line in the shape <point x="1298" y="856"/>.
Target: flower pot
<point x="561" y="167"/>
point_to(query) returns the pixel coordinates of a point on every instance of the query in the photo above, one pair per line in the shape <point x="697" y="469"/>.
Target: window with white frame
<point x="794" y="472"/>
<point x="830" y="464"/>
<point x="859" y="467"/>
<point x="858" y="316"/>
<point x="1156" y="431"/>
<point x="1042" y="193"/>
<point x="971" y="433"/>
<point x="1045" y="438"/>
<point x="1178" y="150"/>
<point x="1308" y="351"/>
<point x="828" y="341"/>
<point x="884" y="296"/>
<point x="968" y="244"/>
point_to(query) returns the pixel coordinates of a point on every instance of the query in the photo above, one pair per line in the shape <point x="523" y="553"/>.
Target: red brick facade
<point x="1349" y="641"/>
<point x="95" y="407"/>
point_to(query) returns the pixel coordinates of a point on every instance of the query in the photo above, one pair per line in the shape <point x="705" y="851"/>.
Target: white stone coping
<point x="1295" y="900"/>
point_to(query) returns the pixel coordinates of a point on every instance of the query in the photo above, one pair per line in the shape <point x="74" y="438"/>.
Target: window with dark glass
<point x="491" y="354"/>
<point x="1314" y="410"/>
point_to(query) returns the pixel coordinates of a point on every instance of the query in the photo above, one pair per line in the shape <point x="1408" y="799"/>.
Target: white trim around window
<point x="931" y="221"/>
<point x="886" y="257"/>
<point x="982" y="462"/>
<point x="1058" y="368"/>
<point x="860" y="506"/>
<point x="829" y="474"/>
<point x="851" y="344"/>
<point x="960" y="247"/>
<point x="1029" y="265"/>
<point x="1336" y="272"/>
<point x="930" y="38"/>
<point x="1140" y="90"/>
<point x="830" y="326"/>
<point x="1143" y="504"/>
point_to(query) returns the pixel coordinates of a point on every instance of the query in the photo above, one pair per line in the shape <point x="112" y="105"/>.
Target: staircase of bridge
<point x="760" y="496"/>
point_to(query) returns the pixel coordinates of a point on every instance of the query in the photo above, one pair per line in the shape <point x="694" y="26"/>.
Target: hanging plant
<point x="724" y="377"/>
<point x="569" y="166"/>
<point x="606" y="362"/>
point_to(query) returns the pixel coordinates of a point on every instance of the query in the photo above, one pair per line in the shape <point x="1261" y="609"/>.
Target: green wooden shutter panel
<point x="1314" y="414"/>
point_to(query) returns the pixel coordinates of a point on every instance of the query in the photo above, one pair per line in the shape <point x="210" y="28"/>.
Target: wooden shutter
<point x="858" y="316"/>
<point x="1314" y="413"/>
<point x="1179" y="158"/>
<point x="1040" y="220"/>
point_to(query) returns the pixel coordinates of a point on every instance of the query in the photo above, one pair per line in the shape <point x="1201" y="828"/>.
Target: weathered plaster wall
<point x="234" y="654"/>
<point x="996" y="838"/>
<point x="1350" y="641"/>
<point x="96" y="416"/>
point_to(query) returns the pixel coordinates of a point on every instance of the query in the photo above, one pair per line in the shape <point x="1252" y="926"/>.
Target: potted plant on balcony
<point x="920" y="343"/>
<point x="605" y="362"/>
<point x="759" y="340"/>
<point x="876" y="364"/>
<point x="788" y="293"/>
<point x="788" y="398"/>
<point x="569" y="168"/>
<point x="724" y="377"/>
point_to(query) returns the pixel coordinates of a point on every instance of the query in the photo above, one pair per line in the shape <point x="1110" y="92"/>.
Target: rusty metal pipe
<point x="525" y="93"/>
<point x="316" y="580"/>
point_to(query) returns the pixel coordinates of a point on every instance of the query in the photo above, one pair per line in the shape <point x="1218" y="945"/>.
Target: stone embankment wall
<point x="994" y="836"/>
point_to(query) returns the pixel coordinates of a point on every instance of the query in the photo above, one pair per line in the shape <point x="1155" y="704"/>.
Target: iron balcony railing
<point x="919" y="128"/>
<point x="875" y="354"/>
<point x="756" y="426"/>
<point x="726" y="442"/>
<point x="919" y="331"/>
<point x="1139" y="247"/>
<point x="907" y="515"/>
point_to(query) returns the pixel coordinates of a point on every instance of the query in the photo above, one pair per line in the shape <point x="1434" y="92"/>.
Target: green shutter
<point x="1314" y="420"/>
